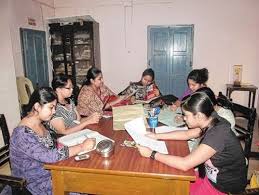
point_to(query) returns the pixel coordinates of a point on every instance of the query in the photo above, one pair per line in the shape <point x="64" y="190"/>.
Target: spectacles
<point x="69" y="88"/>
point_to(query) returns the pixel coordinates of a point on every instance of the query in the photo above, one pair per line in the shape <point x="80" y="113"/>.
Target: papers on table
<point x="78" y="138"/>
<point x="137" y="131"/>
<point x="167" y="117"/>
<point x="123" y="114"/>
<point x="166" y="129"/>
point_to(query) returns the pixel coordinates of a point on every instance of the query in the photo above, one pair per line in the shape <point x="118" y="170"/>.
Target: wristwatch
<point x="153" y="153"/>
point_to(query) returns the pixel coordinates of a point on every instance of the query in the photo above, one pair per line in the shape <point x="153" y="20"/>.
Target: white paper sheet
<point x="166" y="129"/>
<point x="137" y="130"/>
<point x="78" y="138"/>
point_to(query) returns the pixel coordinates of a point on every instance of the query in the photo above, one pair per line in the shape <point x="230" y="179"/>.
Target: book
<point x="80" y="136"/>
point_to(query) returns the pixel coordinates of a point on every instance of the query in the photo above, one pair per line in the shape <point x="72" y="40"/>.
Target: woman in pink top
<point x="196" y="79"/>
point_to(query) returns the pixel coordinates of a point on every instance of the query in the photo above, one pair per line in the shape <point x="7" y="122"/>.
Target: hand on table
<point x="144" y="151"/>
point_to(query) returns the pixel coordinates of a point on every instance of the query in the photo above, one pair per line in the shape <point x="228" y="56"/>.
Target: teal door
<point x="170" y="56"/>
<point x="34" y="52"/>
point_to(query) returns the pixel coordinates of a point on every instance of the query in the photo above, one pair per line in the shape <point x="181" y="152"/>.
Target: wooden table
<point x="250" y="88"/>
<point x="126" y="172"/>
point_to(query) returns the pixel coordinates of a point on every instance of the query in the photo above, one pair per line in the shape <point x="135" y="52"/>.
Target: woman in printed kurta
<point x="31" y="144"/>
<point x="66" y="119"/>
<point x="145" y="89"/>
<point x="94" y="95"/>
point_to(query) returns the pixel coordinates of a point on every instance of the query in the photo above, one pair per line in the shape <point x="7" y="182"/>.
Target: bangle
<point x="153" y="153"/>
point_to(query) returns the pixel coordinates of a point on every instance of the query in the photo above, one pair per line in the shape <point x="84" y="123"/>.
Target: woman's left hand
<point x="144" y="151"/>
<point x="156" y="92"/>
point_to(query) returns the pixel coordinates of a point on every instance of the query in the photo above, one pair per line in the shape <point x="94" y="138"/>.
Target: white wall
<point x="22" y="10"/>
<point x="8" y="91"/>
<point x="225" y="33"/>
<point x="13" y="16"/>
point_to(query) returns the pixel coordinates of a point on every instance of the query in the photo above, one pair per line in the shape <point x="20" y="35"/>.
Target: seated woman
<point x="221" y="111"/>
<point x="144" y="89"/>
<point x="31" y="144"/>
<point x="94" y="96"/>
<point x="196" y="79"/>
<point x="222" y="163"/>
<point x="66" y="119"/>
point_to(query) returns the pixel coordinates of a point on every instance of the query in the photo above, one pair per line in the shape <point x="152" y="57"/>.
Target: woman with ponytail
<point x="196" y="79"/>
<point x="219" y="154"/>
<point x="31" y="144"/>
<point x="66" y="119"/>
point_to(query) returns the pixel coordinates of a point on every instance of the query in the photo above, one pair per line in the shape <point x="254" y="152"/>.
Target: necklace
<point x="63" y="102"/>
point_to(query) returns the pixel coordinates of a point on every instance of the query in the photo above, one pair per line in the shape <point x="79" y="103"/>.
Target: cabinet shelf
<point x="79" y="60"/>
<point x="73" y="47"/>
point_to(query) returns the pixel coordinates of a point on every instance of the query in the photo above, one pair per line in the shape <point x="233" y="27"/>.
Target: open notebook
<point x="78" y="138"/>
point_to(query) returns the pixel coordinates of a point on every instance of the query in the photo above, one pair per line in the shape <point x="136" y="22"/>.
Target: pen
<point x="105" y="103"/>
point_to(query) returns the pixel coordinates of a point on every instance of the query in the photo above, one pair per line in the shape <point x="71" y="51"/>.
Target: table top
<point x="242" y="86"/>
<point x="126" y="161"/>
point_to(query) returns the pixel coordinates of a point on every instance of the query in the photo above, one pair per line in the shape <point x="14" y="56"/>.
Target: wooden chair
<point x="18" y="185"/>
<point x="245" y="132"/>
<point x="224" y="101"/>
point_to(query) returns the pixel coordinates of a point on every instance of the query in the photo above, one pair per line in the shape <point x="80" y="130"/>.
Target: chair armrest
<point x="12" y="181"/>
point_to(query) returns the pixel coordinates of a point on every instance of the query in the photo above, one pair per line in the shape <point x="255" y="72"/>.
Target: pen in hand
<point x="105" y="103"/>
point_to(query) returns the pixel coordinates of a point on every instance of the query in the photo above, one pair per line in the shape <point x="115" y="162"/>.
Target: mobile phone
<point x="82" y="157"/>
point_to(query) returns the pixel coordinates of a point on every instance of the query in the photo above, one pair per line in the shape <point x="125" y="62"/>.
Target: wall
<point x="225" y="33"/>
<point x="8" y="98"/>
<point x="13" y="15"/>
<point x="21" y="11"/>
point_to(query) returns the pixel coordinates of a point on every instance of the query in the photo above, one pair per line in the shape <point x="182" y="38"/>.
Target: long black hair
<point x="200" y="102"/>
<point x="92" y="73"/>
<point x="42" y="96"/>
<point x="209" y="93"/>
<point x="60" y="81"/>
<point x="200" y="76"/>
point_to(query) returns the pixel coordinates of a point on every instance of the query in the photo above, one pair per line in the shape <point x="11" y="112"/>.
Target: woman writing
<point x="31" y="144"/>
<point x="219" y="151"/>
<point x="66" y="119"/>
<point x="196" y="79"/>
<point x="94" y="95"/>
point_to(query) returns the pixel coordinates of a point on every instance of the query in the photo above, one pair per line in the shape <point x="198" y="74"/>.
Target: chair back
<point x="18" y="185"/>
<point x="224" y="101"/>
<point x="4" y="129"/>
<point x="25" y="89"/>
<point x="245" y="132"/>
<point x="4" y="151"/>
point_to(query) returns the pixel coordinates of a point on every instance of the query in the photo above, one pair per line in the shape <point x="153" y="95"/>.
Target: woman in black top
<point x="219" y="150"/>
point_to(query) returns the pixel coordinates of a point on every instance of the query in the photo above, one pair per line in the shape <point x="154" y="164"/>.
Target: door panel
<point x="159" y="57"/>
<point x="35" y="64"/>
<point x="174" y="46"/>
